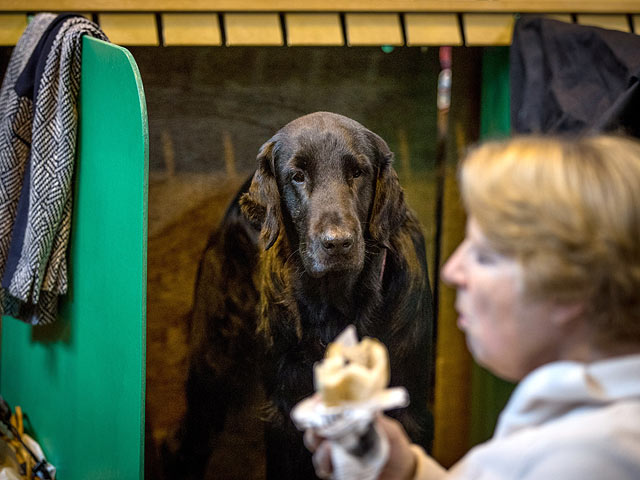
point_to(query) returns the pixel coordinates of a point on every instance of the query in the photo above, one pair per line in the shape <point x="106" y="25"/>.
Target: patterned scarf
<point x="37" y="152"/>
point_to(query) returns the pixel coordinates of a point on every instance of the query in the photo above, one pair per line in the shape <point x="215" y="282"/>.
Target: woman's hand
<point x="321" y="450"/>
<point x="400" y="465"/>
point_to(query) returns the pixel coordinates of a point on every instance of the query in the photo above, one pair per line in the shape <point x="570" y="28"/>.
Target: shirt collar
<point x="558" y="388"/>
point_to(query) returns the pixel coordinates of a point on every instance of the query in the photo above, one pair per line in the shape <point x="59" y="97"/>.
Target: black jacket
<point x="573" y="78"/>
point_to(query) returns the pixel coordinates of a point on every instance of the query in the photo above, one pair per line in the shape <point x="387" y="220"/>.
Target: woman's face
<point x="506" y="333"/>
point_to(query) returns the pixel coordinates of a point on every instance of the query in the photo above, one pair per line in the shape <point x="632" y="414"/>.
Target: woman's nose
<point x="453" y="270"/>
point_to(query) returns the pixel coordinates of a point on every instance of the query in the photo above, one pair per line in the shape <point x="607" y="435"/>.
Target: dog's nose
<point x="336" y="242"/>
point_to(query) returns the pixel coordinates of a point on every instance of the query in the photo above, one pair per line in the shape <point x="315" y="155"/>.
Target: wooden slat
<point x="453" y="363"/>
<point x="253" y="29"/>
<point x="610" y="22"/>
<point x="373" y="29"/>
<point x="432" y="29"/>
<point x="191" y="29"/>
<point x="314" y="29"/>
<point x="452" y="394"/>
<point x="561" y="17"/>
<point x="488" y="29"/>
<point x="130" y="28"/>
<point x="540" y="6"/>
<point x="11" y="27"/>
<point x="635" y="20"/>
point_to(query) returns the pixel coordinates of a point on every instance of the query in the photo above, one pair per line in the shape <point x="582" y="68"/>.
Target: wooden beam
<point x="373" y="29"/>
<point x="539" y="6"/>
<point x="253" y="29"/>
<point x="322" y="29"/>
<point x="452" y="395"/>
<point x="191" y="29"/>
<point x="610" y="22"/>
<point x="130" y="28"/>
<point x="11" y="27"/>
<point x="561" y="17"/>
<point x="483" y="29"/>
<point x="432" y="29"/>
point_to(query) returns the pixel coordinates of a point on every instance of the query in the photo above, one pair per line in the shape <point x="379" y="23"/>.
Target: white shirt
<point x="565" y="421"/>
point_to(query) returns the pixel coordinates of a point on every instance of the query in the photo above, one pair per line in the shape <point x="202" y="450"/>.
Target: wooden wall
<point x="317" y="22"/>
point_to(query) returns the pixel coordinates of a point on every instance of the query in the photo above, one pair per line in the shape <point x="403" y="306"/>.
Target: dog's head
<point x="326" y="182"/>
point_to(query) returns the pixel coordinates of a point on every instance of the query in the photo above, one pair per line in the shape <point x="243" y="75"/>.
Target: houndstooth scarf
<point x="37" y="153"/>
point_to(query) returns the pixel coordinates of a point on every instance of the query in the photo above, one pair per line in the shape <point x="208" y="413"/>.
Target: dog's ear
<point x="389" y="209"/>
<point x="261" y="204"/>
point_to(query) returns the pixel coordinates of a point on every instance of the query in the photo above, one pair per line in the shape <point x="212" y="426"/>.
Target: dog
<point x="319" y="238"/>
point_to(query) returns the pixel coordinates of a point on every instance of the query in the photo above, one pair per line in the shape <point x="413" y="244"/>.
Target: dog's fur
<point x="319" y="238"/>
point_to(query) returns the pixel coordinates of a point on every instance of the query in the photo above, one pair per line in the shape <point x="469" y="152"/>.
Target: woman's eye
<point x="298" y="177"/>
<point x="484" y="258"/>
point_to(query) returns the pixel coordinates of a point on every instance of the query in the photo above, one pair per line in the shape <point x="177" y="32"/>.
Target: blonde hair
<point x="569" y="211"/>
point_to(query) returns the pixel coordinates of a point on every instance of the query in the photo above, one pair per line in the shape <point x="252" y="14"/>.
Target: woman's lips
<point x="462" y="321"/>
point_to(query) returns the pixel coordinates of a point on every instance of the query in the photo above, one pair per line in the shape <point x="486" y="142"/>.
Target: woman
<point x="548" y="294"/>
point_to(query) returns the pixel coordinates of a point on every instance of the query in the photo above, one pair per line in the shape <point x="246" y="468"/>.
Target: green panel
<point x="489" y="393"/>
<point x="82" y="380"/>
<point x="495" y="117"/>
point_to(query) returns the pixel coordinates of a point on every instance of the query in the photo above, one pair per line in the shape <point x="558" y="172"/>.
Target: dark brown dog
<point x="320" y="238"/>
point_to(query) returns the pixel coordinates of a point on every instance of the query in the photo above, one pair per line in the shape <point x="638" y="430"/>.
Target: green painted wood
<point x="490" y="393"/>
<point x="82" y="380"/>
<point x="495" y="116"/>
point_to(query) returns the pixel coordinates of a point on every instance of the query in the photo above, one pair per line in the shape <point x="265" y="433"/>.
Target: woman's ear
<point x="567" y="313"/>
<point x="261" y="204"/>
<point x="389" y="210"/>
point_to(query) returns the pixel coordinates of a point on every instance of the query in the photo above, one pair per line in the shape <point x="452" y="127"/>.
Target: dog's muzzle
<point x="336" y="241"/>
<point x="334" y="249"/>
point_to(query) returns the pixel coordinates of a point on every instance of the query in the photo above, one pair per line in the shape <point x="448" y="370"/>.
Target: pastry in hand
<point x="352" y="373"/>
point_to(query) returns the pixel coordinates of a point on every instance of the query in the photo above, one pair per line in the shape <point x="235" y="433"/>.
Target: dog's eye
<point x="298" y="177"/>
<point x="356" y="173"/>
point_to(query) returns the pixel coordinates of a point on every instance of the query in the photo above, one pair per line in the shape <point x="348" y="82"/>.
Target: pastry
<point x="352" y="373"/>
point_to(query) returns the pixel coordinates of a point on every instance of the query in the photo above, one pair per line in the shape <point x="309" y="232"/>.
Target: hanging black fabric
<point x="573" y="78"/>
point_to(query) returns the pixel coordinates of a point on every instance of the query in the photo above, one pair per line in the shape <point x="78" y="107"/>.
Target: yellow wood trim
<point x="373" y="29"/>
<point x="561" y="17"/>
<point x="253" y="29"/>
<point x="488" y="29"/>
<point x="540" y="6"/>
<point x="610" y="22"/>
<point x="635" y="19"/>
<point x="11" y="27"/>
<point x="452" y="393"/>
<point x="130" y="28"/>
<point x="314" y="29"/>
<point x="432" y="29"/>
<point x="191" y="29"/>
